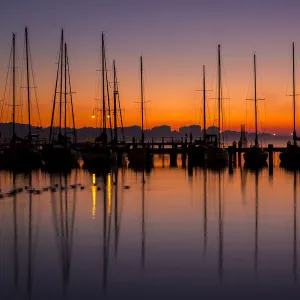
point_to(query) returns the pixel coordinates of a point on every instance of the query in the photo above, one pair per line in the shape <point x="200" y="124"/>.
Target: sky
<point x="175" y="38"/>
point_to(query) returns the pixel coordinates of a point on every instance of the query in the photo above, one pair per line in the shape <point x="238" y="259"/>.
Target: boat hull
<point x="59" y="157"/>
<point x="255" y="156"/>
<point x="290" y="157"/>
<point x="20" y="157"/>
<point x="140" y="157"/>
<point x="196" y="156"/>
<point x="99" y="158"/>
<point x="215" y="156"/>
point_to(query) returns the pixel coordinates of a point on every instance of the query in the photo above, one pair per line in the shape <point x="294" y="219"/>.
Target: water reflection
<point x="63" y="213"/>
<point x="129" y="231"/>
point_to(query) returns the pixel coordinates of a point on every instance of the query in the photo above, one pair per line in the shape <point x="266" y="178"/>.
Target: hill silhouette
<point x="89" y="133"/>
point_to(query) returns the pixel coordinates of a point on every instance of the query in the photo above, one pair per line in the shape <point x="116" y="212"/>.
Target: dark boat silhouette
<point x="290" y="156"/>
<point x="60" y="152"/>
<point x="197" y="150"/>
<point x="141" y="156"/>
<point x="20" y="152"/>
<point x="215" y="154"/>
<point x="102" y="153"/>
<point x="255" y="155"/>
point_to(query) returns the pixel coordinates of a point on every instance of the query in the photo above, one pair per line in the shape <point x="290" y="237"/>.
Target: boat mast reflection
<point x="205" y="208"/>
<point x="256" y="221"/>
<point x="107" y="214"/>
<point x="15" y="221"/>
<point x="220" y="228"/>
<point x="143" y="220"/>
<point x="29" y="266"/>
<point x="64" y="221"/>
<point x="295" y="230"/>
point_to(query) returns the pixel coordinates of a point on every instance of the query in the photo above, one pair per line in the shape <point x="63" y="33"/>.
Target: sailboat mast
<point x="219" y="95"/>
<point x="255" y="103"/>
<point x="294" y="97"/>
<point x="71" y="98"/>
<point x="142" y="98"/>
<point x="14" y="86"/>
<point x="115" y="103"/>
<point x="103" y="87"/>
<point x="65" y="91"/>
<point x="204" y="104"/>
<point x="54" y="98"/>
<point x="28" y="81"/>
<point x="61" y="77"/>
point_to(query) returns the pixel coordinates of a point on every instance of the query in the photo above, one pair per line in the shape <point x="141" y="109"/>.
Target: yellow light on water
<point x="94" y="199"/>
<point x="108" y="187"/>
<point x="93" y="116"/>
<point x="94" y="196"/>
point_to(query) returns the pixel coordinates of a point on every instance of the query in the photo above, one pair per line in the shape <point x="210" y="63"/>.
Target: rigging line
<point x="34" y="85"/>
<point x="108" y="94"/>
<point x="6" y="83"/>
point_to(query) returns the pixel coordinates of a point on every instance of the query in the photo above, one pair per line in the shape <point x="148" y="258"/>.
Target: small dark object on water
<point x="73" y="186"/>
<point x="53" y="189"/>
<point x="20" y="190"/>
<point x="1" y="196"/>
<point x="126" y="187"/>
<point x="98" y="188"/>
<point x="56" y="184"/>
<point x="26" y="187"/>
<point x="82" y="187"/>
<point x="36" y="191"/>
<point x="45" y="189"/>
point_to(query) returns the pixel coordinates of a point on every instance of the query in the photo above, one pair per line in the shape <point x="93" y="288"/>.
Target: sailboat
<point x="141" y="156"/>
<point x="255" y="155"/>
<point x="99" y="154"/>
<point x="21" y="152"/>
<point x="216" y="155"/>
<point x="59" y="153"/>
<point x="290" y="156"/>
<point x="196" y="151"/>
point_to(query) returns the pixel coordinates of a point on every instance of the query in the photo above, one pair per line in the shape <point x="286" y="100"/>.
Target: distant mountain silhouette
<point x="89" y="133"/>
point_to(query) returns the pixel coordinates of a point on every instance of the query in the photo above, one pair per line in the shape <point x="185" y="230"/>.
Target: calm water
<point x="172" y="235"/>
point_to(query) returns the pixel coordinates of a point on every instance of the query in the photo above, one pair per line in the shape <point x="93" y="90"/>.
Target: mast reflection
<point x="15" y="222"/>
<point x="63" y="222"/>
<point x="220" y="210"/>
<point x="295" y="230"/>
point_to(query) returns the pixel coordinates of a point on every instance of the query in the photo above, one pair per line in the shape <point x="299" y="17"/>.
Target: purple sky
<point x="176" y="38"/>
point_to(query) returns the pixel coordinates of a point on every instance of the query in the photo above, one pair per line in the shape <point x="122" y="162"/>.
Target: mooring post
<point x="240" y="155"/>
<point x="230" y="152"/>
<point x="270" y="150"/>
<point x="234" y="154"/>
